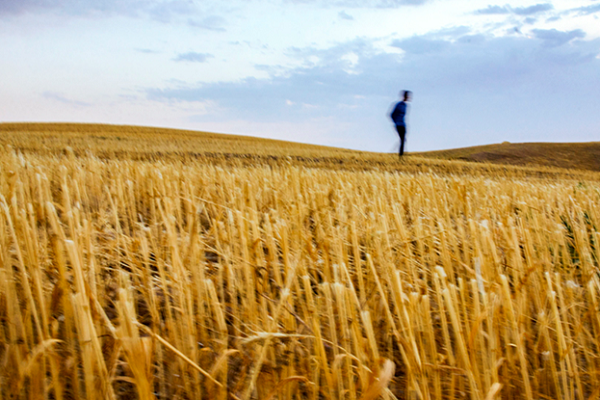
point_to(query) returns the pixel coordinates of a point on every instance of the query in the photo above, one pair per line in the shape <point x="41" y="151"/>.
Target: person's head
<point x="406" y="95"/>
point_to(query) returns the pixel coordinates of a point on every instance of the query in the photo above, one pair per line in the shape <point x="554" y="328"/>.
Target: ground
<point x="150" y="263"/>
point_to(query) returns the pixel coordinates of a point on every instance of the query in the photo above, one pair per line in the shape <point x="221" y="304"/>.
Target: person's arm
<point x="394" y="113"/>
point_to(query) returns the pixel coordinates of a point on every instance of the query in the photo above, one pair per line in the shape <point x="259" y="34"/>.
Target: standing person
<point x="398" y="117"/>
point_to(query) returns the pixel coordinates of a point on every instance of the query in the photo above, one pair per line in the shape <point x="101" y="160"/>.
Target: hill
<point x="123" y="142"/>
<point x="585" y="156"/>
<point x="140" y="140"/>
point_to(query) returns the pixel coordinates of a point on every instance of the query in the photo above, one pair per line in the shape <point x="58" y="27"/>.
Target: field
<point x="161" y="264"/>
<point x="585" y="156"/>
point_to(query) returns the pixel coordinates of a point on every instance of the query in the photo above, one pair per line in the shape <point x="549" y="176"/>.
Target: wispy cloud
<point x="59" y="97"/>
<point x="193" y="57"/>
<point x="524" y="11"/>
<point x="79" y="7"/>
<point x="493" y="10"/>
<point x="436" y="41"/>
<point x="586" y="10"/>
<point x="553" y="37"/>
<point x="169" y="10"/>
<point x="211" y="23"/>
<point x="421" y="45"/>
<point x="363" y="3"/>
<point x="147" y="51"/>
<point x="536" y="9"/>
<point x="166" y="11"/>
<point x="345" y="15"/>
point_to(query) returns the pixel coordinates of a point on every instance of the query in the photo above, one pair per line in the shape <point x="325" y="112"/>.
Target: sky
<point x="314" y="71"/>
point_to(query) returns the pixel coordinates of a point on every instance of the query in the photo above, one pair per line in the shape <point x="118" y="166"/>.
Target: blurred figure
<point x="398" y="117"/>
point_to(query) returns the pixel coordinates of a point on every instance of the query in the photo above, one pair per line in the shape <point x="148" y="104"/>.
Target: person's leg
<point x="402" y="133"/>
<point x="402" y="139"/>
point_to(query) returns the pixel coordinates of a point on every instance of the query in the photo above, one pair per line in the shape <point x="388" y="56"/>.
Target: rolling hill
<point x="585" y="156"/>
<point x="115" y="141"/>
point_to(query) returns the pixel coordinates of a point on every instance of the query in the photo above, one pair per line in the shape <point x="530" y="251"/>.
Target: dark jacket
<point x="399" y="113"/>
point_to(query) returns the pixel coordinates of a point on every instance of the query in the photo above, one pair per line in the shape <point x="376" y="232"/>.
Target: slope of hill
<point x="584" y="156"/>
<point x="139" y="139"/>
<point x="122" y="142"/>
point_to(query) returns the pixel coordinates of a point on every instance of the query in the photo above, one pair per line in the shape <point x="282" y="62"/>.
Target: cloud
<point x="193" y="57"/>
<point x="553" y="37"/>
<point x="523" y="11"/>
<point x="165" y="11"/>
<point x="17" y="6"/>
<point x="345" y="15"/>
<point x="362" y="3"/>
<point x="435" y="42"/>
<point x="586" y="10"/>
<point x="421" y="45"/>
<point x="147" y="51"/>
<point x="469" y="88"/>
<point x="323" y="85"/>
<point x="472" y="39"/>
<point x="62" y="99"/>
<point x="493" y="10"/>
<point x="78" y="7"/>
<point x="536" y="9"/>
<point x="211" y="23"/>
<point x="169" y="11"/>
<point x="397" y="3"/>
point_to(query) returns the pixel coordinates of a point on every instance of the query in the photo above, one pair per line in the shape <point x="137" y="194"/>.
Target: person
<point x="398" y="116"/>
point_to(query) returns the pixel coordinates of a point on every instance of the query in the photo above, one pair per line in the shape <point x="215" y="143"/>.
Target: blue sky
<point x="313" y="71"/>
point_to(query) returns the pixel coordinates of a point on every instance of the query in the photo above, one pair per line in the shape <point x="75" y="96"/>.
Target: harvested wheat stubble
<point x="125" y="278"/>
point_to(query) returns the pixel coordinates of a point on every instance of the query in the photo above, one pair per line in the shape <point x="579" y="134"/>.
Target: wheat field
<point x="221" y="268"/>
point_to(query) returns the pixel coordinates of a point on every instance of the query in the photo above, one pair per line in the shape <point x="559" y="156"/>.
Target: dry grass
<point x="117" y="140"/>
<point x="134" y="143"/>
<point x="124" y="276"/>
<point x="583" y="156"/>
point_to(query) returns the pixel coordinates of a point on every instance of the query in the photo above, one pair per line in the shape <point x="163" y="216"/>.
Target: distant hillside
<point x="161" y="144"/>
<point x="585" y="156"/>
<point x="140" y="139"/>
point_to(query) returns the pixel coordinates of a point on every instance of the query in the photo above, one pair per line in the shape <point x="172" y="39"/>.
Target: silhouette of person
<point x="398" y="115"/>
